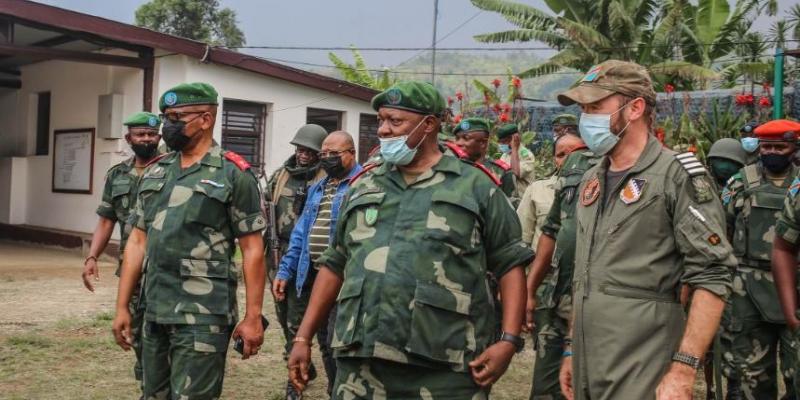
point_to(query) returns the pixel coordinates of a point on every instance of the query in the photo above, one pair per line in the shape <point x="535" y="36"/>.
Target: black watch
<point x="687" y="359"/>
<point x="518" y="342"/>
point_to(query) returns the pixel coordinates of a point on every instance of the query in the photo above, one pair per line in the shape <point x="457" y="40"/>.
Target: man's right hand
<point x="530" y="308"/>
<point x="90" y="270"/>
<point x="279" y="289"/>
<point x="565" y="378"/>
<point x="122" y="329"/>
<point x="793" y="323"/>
<point x="299" y="360"/>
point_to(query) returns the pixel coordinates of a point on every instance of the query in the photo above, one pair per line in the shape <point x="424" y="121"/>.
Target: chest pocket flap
<point x="362" y="199"/>
<point x="208" y="205"/>
<point x="454" y="218"/>
<point x="120" y="188"/>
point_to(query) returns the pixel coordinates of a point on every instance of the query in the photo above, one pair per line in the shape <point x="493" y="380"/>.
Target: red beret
<point x="779" y="129"/>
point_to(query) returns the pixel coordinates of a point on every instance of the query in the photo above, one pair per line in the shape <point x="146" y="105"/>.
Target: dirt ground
<point x="56" y="343"/>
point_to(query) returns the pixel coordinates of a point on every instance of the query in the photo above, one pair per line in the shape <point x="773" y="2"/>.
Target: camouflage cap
<point x="565" y="119"/>
<point x="611" y="77"/>
<point x="415" y="96"/>
<point x="507" y="130"/>
<point x="473" y="124"/>
<point x="187" y="94"/>
<point x="778" y="130"/>
<point x="143" y="119"/>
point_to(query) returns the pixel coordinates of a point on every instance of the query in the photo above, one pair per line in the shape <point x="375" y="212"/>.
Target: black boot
<point x="734" y="390"/>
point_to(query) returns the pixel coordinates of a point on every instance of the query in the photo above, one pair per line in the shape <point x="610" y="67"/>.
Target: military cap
<point x="507" y="130"/>
<point x="778" y="130"/>
<point x="142" y="119"/>
<point x="565" y="119"/>
<point x="415" y="96"/>
<point x="473" y="124"/>
<point x="609" y="78"/>
<point x="188" y="94"/>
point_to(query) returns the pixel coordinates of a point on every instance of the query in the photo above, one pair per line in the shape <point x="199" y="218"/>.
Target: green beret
<point x="415" y="96"/>
<point x="507" y="130"/>
<point x="188" y="94"/>
<point x="473" y="124"/>
<point x="143" y="120"/>
<point x="565" y="119"/>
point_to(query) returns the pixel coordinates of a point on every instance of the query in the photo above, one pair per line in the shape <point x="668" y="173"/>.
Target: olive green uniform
<point x="415" y="306"/>
<point x="533" y="208"/>
<point x="788" y="229"/>
<point x="119" y="198"/>
<point x="663" y="226"/>
<point x="754" y="330"/>
<point x="192" y="217"/>
<point x="287" y="187"/>
<point x="554" y="297"/>
<point x="504" y="174"/>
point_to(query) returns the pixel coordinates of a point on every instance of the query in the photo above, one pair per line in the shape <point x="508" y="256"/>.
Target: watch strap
<point x="687" y="359"/>
<point x="518" y="342"/>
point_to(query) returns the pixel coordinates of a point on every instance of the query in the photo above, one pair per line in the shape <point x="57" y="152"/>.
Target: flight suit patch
<point x="714" y="239"/>
<point x="632" y="191"/>
<point x="590" y="192"/>
<point x="702" y="189"/>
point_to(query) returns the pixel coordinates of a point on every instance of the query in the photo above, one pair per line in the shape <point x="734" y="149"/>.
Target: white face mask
<point x="396" y="151"/>
<point x="596" y="131"/>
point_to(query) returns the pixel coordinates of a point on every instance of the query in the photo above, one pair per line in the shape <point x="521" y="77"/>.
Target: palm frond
<point x="518" y="14"/>
<point x="523" y="35"/>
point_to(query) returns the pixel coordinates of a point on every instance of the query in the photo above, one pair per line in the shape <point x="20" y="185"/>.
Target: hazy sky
<point x="363" y="23"/>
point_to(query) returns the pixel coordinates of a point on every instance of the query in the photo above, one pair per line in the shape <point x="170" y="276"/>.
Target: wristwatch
<point x="687" y="359"/>
<point x="518" y="342"/>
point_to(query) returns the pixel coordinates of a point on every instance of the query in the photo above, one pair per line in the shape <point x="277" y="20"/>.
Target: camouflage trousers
<point x="184" y="361"/>
<point x="137" y="319"/>
<point x="751" y="345"/>
<point x="295" y="310"/>
<point x="372" y="378"/>
<point x="551" y="327"/>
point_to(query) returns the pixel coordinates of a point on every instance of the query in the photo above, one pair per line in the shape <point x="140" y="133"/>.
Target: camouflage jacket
<point x="752" y="205"/>
<point x="505" y="175"/>
<point x="119" y="197"/>
<point x="191" y="217"/>
<point x="415" y="260"/>
<point x="291" y="179"/>
<point x="562" y="226"/>
<point x="788" y="226"/>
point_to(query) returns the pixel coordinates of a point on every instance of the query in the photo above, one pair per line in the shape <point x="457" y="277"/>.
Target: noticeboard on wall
<point x="73" y="160"/>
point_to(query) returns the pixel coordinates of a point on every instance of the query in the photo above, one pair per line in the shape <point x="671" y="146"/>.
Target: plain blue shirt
<point x="296" y="262"/>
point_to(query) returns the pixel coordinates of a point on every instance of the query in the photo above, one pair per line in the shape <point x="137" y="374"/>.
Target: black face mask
<point x="145" y="151"/>
<point x="723" y="169"/>
<point x="776" y="162"/>
<point x="174" y="135"/>
<point x="333" y="166"/>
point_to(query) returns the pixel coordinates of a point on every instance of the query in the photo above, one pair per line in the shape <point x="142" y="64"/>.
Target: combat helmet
<point x="310" y="136"/>
<point x="730" y="149"/>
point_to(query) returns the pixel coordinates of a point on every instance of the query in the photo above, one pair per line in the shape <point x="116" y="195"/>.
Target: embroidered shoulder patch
<point x="794" y="187"/>
<point x="632" y="191"/>
<point x="590" y="192"/>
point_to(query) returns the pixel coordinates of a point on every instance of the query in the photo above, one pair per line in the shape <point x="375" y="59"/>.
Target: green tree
<point x="201" y="20"/>
<point x="359" y="73"/>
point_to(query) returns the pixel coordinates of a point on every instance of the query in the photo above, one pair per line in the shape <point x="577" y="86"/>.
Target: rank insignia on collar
<point x="371" y="216"/>
<point x="795" y="187"/>
<point x="632" y="191"/>
<point x="590" y="192"/>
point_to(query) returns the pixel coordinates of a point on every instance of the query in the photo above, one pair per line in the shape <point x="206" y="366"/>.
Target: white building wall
<point x="286" y="102"/>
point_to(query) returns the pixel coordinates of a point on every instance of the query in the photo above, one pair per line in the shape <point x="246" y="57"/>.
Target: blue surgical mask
<point x="596" y="132"/>
<point x="504" y="148"/>
<point x="749" y="144"/>
<point x="395" y="150"/>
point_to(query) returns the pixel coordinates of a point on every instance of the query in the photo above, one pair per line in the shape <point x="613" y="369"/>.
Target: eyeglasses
<point x="177" y="116"/>
<point x="326" y="154"/>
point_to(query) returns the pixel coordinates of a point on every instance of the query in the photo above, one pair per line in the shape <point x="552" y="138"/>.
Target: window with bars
<point x="367" y="135"/>
<point x="331" y="120"/>
<point x="243" y="129"/>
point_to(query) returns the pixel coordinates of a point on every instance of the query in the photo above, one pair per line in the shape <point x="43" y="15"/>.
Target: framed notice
<point x="73" y="160"/>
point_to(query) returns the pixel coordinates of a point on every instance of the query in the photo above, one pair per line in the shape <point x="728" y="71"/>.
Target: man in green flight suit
<point x="549" y="305"/>
<point x="287" y="189"/>
<point x="192" y="205"/>
<point x="648" y="222"/>
<point x="472" y="135"/>
<point x="755" y="332"/>
<point x="119" y="197"/>
<point x="414" y="242"/>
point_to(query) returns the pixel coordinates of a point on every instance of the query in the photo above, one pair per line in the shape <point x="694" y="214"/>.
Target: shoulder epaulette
<point x="363" y="171"/>
<point x="691" y="164"/>
<point x="502" y="164"/>
<point x="456" y="149"/>
<point x="238" y="160"/>
<point x="156" y="159"/>
<point x="488" y="173"/>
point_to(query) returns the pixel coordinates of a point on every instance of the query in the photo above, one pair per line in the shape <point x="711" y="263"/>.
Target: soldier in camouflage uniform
<point x="521" y="160"/>
<point x="192" y="205"/>
<point x="755" y="332"/>
<point x="472" y="135"/>
<point x="725" y="158"/>
<point x="287" y="188"/>
<point x="550" y="278"/>
<point x="119" y="196"/>
<point x="648" y="222"/>
<point x="415" y="240"/>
